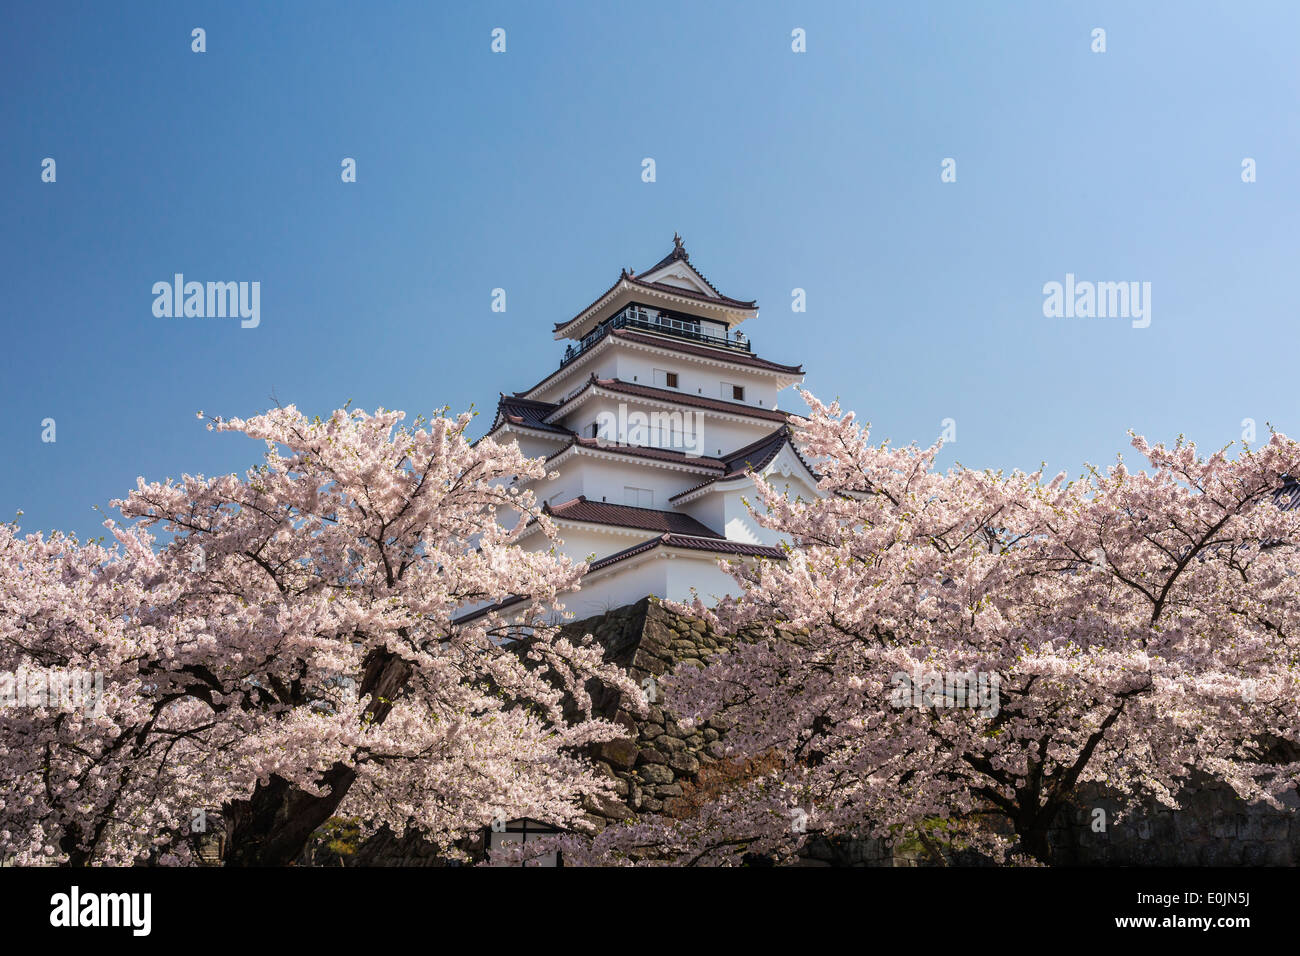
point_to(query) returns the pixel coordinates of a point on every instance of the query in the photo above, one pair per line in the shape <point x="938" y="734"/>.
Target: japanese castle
<point x="652" y="422"/>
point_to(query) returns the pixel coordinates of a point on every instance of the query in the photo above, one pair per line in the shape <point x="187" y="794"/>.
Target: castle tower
<point x="656" y="412"/>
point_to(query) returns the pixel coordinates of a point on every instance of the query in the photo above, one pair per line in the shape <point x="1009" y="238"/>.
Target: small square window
<point x="738" y="392"/>
<point x="665" y="379"/>
<point x="638" y="497"/>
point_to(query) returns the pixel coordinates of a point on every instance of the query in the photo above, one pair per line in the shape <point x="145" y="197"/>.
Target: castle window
<point x="521" y="831"/>
<point x="638" y="497"/>
<point x="665" y="379"/>
<point x="734" y="392"/>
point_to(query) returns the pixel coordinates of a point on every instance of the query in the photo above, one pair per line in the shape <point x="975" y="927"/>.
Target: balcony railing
<point x="660" y="324"/>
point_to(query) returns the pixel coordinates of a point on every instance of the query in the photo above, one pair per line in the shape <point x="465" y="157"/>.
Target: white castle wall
<point x="637" y="366"/>
<point x="665" y="577"/>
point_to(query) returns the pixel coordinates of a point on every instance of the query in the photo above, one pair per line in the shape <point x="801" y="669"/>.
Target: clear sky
<point x="523" y="170"/>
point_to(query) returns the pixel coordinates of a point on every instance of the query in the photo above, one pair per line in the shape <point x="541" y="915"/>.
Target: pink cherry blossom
<point x="295" y="650"/>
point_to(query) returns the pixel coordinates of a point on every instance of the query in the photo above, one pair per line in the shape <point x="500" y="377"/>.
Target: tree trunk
<point x="272" y="827"/>
<point x="1032" y="827"/>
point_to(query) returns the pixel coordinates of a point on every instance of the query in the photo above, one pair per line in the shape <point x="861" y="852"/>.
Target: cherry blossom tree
<point x="956" y="656"/>
<point x="299" y="649"/>
<point x="88" y="777"/>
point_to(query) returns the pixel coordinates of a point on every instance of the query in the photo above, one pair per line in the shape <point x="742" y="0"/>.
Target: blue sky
<point x="522" y="170"/>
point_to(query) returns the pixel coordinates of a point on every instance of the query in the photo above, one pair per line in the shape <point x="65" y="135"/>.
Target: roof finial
<point x="677" y="243"/>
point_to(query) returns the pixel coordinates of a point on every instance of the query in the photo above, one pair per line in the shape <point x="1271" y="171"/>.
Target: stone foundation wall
<point x="655" y="771"/>
<point x="1213" y="828"/>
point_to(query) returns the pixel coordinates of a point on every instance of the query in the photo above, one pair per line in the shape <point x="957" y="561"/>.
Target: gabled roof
<point x="704" y="351"/>
<point x="691" y="293"/>
<point x="643" y="451"/>
<point x="526" y="413"/>
<point x="679" y="254"/>
<point x="753" y="457"/>
<point x="627" y="516"/>
<point x="629" y="279"/>
<point x="691" y="543"/>
<point x="673" y="396"/>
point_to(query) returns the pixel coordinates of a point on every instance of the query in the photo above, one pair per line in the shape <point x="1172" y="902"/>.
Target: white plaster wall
<point x="618" y="360"/>
<point x="630" y="420"/>
<point x="700" y="572"/>
<point x="627" y="586"/>
<point x="708" y="510"/>
<point x="605" y="479"/>
<point x="637" y="366"/>
<point x="604" y="366"/>
<point x="530" y="445"/>
<point x="660" y="575"/>
<point x="580" y="543"/>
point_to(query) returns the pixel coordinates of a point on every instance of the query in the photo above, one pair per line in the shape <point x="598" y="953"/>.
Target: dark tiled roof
<point x="485" y="611"/>
<point x="666" y="342"/>
<point x="527" y="413"/>
<point x="1288" y="496"/>
<point x="626" y="516"/>
<point x="644" y="451"/>
<point x="676" y="397"/>
<point x="658" y="287"/>
<point x="729" y="355"/>
<point x="717" y="297"/>
<point x="685" y="398"/>
<point x="757" y="454"/>
<point x="753" y="457"/>
<point x="692" y="543"/>
<point x="679" y="254"/>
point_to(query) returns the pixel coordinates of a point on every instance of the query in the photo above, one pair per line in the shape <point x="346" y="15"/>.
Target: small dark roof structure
<point x="675" y="397"/>
<point x="679" y="254"/>
<point x="628" y="516"/>
<point x="643" y="451"/>
<point x="1288" y="496"/>
<point x="692" y="543"/>
<point x="526" y="413"/>
<point x="753" y="457"/>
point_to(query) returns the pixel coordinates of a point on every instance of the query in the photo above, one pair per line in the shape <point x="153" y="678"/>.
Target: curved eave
<point x="661" y="547"/>
<point x="629" y="453"/>
<point x="626" y="289"/>
<point x="709" y="487"/>
<point x="718" y="358"/>
<point x="670" y="546"/>
<point x="595" y="389"/>
<point x="709" y="356"/>
<point x="561" y="437"/>
<point x="731" y="482"/>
